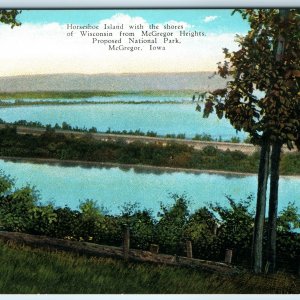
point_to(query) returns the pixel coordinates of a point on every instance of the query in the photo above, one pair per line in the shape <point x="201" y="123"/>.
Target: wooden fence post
<point x="215" y="229"/>
<point x="189" y="249"/>
<point x="228" y="256"/>
<point x="126" y="243"/>
<point x="154" y="248"/>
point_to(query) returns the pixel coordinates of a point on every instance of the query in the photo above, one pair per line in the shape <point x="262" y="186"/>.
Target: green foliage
<point x="288" y="241"/>
<point x="90" y="210"/>
<point x="17" y="209"/>
<point x="38" y="95"/>
<point x="267" y="60"/>
<point x="140" y="223"/>
<point x="138" y="132"/>
<point x="211" y="229"/>
<point x="200" y="230"/>
<point x="290" y="163"/>
<point x="6" y="183"/>
<point x="90" y="221"/>
<point x="235" y="140"/>
<point x="58" y="146"/>
<point x="9" y="17"/>
<point x="289" y="218"/>
<point x="236" y="227"/>
<point x="41" y="219"/>
<point x="203" y="137"/>
<point x="180" y="136"/>
<point x="210" y="150"/>
<point x="170" y="227"/>
<point x="66" y="224"/>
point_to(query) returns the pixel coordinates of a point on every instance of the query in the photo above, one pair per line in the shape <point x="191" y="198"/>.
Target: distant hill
<point x="112" y="82"/>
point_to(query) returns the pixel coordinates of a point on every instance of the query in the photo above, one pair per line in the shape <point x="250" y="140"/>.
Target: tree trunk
<point x="273" y="205"/>
<point x="274" y="180"/>
<point x="263" y="173"/>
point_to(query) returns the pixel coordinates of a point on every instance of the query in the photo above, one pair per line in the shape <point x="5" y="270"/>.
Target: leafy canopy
<point x="9" y="17"/>
<point x="262" y="94"/>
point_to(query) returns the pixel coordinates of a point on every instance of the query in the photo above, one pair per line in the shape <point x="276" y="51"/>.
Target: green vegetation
<point x="209" y="138"/>
<point x="138" y="132"/>
<point x="9" y="16"/>
<point x="29" y="271"/>
<point x="267" y="60"/>
<point x="84" y="102"/>
<point x="58" y="94"/>
<point x="132" y="132"/>
<point x="211" y="229"/>
<point x="85" y="94"/>
<point x="85" y="148"/>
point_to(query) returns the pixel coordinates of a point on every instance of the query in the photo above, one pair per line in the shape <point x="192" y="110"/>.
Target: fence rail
<point x="124" y="252"/>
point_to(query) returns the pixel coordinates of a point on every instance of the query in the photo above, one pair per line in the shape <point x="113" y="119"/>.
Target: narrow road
<point x="198" y="145"/>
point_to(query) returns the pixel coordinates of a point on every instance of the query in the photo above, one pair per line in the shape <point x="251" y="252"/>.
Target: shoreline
<point x="6" y="104"/>
<point x="160" y="169"/>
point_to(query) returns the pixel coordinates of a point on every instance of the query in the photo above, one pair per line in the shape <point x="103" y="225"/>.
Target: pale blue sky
<point x="223" y="23"/>
<point x="47" y="48"/>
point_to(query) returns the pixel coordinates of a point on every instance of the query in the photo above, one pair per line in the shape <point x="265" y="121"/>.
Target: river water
<point x="112" y="187"/>
<point x="160" y="118"/>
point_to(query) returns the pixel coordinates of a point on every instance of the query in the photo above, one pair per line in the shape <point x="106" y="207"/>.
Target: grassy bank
<point x="24" y="270"/>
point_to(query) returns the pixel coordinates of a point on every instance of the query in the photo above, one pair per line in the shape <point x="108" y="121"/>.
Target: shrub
<point x="200" y="229"/>
<point x="236" y="228"/>
<point x="170" y="226"/>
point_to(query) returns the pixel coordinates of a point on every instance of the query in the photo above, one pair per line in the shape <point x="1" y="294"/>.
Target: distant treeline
<point x="138" y="132"/>
<point x="88" y="94"/>
<point x="51" y="144"/>
<point x="84" y="102"/>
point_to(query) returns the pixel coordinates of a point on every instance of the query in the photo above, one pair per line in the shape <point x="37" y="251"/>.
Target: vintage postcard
<point x="149" y="150"/>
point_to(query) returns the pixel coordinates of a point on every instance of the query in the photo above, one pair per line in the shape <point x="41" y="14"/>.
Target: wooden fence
<point x="124" y="252"/>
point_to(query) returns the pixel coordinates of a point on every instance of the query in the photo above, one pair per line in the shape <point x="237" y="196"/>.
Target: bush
<point x="210" y="150"/>
<point x="200" y="230"/>
<point x="236" y="229"/>
<point x="170" y="227"/>
<point x="66" y="224"/>
<point x="20" y="211"/>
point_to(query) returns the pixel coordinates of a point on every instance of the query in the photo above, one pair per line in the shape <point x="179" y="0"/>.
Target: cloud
<point x="47" y="49"/>
<point x="209" y="19"/>
<point x="121" y="18"/>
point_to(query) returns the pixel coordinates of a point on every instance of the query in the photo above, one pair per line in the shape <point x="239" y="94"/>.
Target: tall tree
<point x="9" y="17"/>
<point x="275" y="161"/>
<point x="262" y="98"/>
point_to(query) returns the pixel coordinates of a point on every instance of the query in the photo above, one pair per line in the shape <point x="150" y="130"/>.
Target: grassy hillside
<point x="24" y="270"/>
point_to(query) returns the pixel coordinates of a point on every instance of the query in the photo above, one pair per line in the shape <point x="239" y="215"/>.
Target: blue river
<point x="160" y="118"/>
<point x="112" y="187"/>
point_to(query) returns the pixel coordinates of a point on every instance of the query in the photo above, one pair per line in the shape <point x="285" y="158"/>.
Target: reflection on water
<point x="138" y="169"/>
<point x="112" y="187"/>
